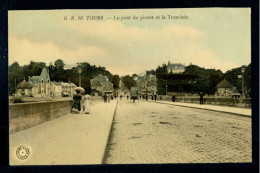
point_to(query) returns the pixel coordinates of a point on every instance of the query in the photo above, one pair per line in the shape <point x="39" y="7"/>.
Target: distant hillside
<point x="196" y="79"/>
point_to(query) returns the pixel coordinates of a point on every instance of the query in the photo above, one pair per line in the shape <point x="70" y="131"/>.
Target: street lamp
<point x="243" y="69"/>
<point x="166" y="89"/>
<point x="80" y="71"/>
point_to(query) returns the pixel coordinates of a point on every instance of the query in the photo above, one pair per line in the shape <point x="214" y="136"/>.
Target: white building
<point x="175" y="68"/>
<point x="56" y="89"/>
<point x="41" y="84"/>
<point x="68" y="89"/>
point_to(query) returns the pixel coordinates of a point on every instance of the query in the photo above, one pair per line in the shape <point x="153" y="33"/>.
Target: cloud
<point x="122" y="50"/>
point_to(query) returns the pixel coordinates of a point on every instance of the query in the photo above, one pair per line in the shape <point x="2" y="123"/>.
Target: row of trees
<point x="58" y="73"/>
<point x="196" y="79"/>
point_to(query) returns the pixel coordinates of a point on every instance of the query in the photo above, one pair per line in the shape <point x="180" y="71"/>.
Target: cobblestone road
<point x="145" y="132"/>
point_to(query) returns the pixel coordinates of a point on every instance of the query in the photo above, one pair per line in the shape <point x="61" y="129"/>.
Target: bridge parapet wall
<point x="233" y="102"/>
<point x="26" y="115"/>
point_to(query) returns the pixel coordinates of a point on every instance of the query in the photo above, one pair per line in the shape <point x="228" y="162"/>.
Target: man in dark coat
<point x="155" y="97"/>
<point x="105" y="98"/>
<point x="173" y="98"/>
<point x="201" y="98"/>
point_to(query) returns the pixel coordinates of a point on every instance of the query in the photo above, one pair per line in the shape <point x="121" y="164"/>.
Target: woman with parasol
<point x="77" y="97"/>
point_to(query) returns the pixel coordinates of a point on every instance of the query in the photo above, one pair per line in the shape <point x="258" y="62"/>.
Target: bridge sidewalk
<point x="226" y="109"/>
<point x="70" y="139"/>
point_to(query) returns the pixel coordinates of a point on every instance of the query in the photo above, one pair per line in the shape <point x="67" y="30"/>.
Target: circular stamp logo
<point x="22" y="152"/>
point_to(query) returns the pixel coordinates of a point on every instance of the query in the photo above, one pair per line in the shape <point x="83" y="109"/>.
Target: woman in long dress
<point x="86" y="105"/>
<point x="76" y="104"/>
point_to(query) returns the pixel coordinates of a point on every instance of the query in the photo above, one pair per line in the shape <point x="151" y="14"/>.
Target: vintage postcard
<point x="130" y="86"/>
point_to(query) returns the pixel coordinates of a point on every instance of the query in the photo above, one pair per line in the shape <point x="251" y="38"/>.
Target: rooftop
<point x="24" y="85"/>
<point x="224" y="84"/>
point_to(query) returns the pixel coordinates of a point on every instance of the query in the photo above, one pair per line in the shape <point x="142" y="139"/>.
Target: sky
<point x="132" y="40"/>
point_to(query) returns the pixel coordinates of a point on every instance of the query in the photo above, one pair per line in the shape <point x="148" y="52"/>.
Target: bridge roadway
<point x="143" y="132"/>
<point x="148" y="132"/>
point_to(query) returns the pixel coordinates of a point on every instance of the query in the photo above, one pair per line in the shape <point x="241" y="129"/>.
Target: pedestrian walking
<point x="201" y="98"/>
<point x="127" y="97"/>
<point x="121" y="97"/>
<point x="155" y="97"/>
<point x="146" y="97"/>
<point x="173" y="98"/>
<point x="86" y="105"/>
<point x="108" y="98"/>
<point x="152" y="97"/>
<point x="105" y="98"/>
<point x="76" y="103"/>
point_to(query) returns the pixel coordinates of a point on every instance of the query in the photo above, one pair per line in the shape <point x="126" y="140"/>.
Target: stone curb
<point x="108" y="136"/>
<point x="234" y="113"/>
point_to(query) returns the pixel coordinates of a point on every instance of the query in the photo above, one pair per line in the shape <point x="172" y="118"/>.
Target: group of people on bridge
<point x="76" y="106"/>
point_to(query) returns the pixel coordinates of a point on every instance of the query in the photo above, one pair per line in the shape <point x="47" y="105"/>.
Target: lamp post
<point x="80" y="71"/>
<point x="243" y="69"/>
<point x="166" y="89"/>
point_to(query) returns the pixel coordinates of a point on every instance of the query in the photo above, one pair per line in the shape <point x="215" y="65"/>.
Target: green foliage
<point x="194" y="80"/>
<point x="56" y="72"/>
<point x="59" y="64"/>
<point x="232" y="77"/>
<point x="115" y="81"/>
<point x="129" y="82"/>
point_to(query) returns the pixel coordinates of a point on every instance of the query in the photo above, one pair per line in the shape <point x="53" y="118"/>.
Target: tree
<point x="59" y="70"/>
<point x="214" y="79"/>
<point x="15" y="76"/>
<point x="150" y="72"/>
<point x="129" y="82"/>
<point x="161" y="69"/>
<point x="115" y="81"/>
<point x="59" y="64"/>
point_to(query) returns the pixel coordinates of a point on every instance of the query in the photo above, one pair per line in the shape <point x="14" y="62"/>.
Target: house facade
<point x="175" y="68"/>
<point x="24" y="88"/>
<point x="56" y="89"/>
<point x="147" y="84"/>
<point x="41" y="85"/>
<point x="224" y="88"/>
<point x="100" y="85"/>
<point x="68" y="89"/>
